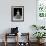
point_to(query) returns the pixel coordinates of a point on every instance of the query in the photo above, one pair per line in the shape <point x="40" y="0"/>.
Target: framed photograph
<point x="17" y="13"/>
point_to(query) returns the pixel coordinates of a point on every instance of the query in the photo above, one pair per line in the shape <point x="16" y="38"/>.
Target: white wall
<point x="29" y="15"/>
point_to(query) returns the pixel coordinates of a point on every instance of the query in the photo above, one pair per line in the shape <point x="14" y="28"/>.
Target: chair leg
<point x="5" y="39"/>
<point x="5" y="43"/>
<point x="17" y="39"/>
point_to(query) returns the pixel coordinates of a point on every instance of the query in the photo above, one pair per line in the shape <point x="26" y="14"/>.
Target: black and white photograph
<point x="17" y="13"/>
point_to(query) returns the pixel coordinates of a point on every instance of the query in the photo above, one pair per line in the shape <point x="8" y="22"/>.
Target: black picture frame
<point x="17" y="13"/>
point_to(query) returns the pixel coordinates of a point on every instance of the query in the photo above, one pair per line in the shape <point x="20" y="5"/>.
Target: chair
<point x="14" y="32"/>
<point x="8" y="36"/>
<point x="25" y="37"/>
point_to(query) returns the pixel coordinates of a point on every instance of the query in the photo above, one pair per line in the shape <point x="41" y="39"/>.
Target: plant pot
<point x="40" y="41"/>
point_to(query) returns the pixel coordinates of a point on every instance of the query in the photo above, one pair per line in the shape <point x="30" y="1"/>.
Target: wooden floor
<point x="13" y="44"/>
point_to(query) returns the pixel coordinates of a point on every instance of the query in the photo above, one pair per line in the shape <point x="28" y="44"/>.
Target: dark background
<point x="15" y="11"/>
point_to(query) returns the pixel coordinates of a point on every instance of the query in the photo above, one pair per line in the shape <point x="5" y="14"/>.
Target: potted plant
<point x="39" y="35"/>
<point x="42" y="27"/>
<point x="38" y="27"/>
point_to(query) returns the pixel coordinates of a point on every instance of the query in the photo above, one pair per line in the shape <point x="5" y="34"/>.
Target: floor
<point x="13" y="44"/>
